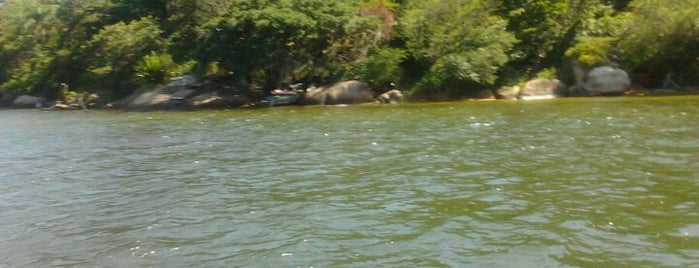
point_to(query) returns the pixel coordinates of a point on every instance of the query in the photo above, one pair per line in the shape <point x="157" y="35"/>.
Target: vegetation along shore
<point x="242" y="53"/>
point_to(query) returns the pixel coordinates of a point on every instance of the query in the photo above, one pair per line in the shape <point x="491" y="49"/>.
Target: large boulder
<point x="205" y="99"/>
<point x="607" y="80"/>
<point x="173" y="94"/>
<point x="542" y="89"/>
<point x="179" y="83"/>
<point x="149" y="99"/>
<point x="59" y="105"/>
<point x="26" y="101"/>
<point x="391" y="96"/>
<point x="348" y="92"/>
<point x="507" y="92"/>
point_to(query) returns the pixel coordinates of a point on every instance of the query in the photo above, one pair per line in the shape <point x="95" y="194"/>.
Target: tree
<point x="462" y="43"/>
<point x="594" y="43"/>
<point x="546" y="29"/>
<point x="265" y="43"/>
<point x="128" y="10"/>
<point x="42" y="41"/>
<point x="116" y="50"/>
<point x="662" y="38"/>
<point x="189" y="20"/>
<point x="30" y="33"/>
<point x="437" y="47"/>
<point x="381" y="67"/>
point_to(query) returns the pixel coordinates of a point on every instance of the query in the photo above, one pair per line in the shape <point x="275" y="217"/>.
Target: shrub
<point x="382" y="67"/>
<point x="591" y="51"/>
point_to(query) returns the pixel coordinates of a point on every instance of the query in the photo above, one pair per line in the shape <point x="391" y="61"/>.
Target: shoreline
<point x="263" y="106"/>
<point x="661" y="93"/>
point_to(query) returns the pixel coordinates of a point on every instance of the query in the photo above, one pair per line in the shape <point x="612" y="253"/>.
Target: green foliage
<point x="155" y="69"/>
<point x="591" y="51"/>
<point x="437" y="47"/>
<point x="547" y="28"/>
<point x="74" y="97"/>
<point x="660" y="36"/>
<point x="42" y="43"/>
<point x="463" y="42"/>
<point x="548" y="73"/>
<point x="381" y="67"/>
<point x="128" y="10"/>
<point x="287" y="40"/>
<point x="212" y="69"/>
<point x="30" y="30"/>
<point x="539" y="26"/>
<point x="115" y="50"/>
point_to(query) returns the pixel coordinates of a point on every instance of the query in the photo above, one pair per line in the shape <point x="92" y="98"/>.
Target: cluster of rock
<point x="391" y="96"/>
<point x="604" y="80"/>
<point x="26" y="101"/>
<point x="348" y="92"/>
<point x="189" y="91"/>
<point x="186" y="91"/>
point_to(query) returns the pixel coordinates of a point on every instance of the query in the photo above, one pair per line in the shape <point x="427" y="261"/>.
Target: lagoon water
<point x="594" y="182"/>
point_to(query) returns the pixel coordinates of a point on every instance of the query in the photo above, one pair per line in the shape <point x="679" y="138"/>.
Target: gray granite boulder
<point x="607" y="80"/>
<point x="173" y="94"/>
<point x="179" y="83"/>
<point x="26" y="101"/>
<point x="348" y="92"/>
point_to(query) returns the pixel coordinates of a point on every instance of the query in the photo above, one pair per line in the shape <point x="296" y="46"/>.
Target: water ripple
<point x="565" y="183"/>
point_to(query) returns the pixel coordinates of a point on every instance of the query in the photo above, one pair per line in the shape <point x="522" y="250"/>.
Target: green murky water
<point x="599" y="182"/>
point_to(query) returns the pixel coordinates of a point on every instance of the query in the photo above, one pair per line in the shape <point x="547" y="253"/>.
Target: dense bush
<point x="155" y="69"/>
<point x="463" y="43"/>
<point x="662" y="37"/>
<point x="381" y="67"/>
<point x="434" y="47"/>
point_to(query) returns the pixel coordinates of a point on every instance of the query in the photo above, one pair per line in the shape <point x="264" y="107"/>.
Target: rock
<point x="62" y="106"/>
<point x="391" y="96"/>
<point x="508" y="92"/>
<point x="179" y="83"/>
<point x="92" y="100"/>
<point x="26" y="101"/>
<point x="178" y="97"/>
<point x="76" y="101"/>
<point x="348" y="92"/>
<point x="607" y="80"/>
<point x="174" y="93"/>
<point x="205" y="99"/>
<point x="542" y="89"/>
<point x="638" y="91"/>
<point x="150" y="98"/>
<point x="313" y="95"/>
<point x="168" y="96"/>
